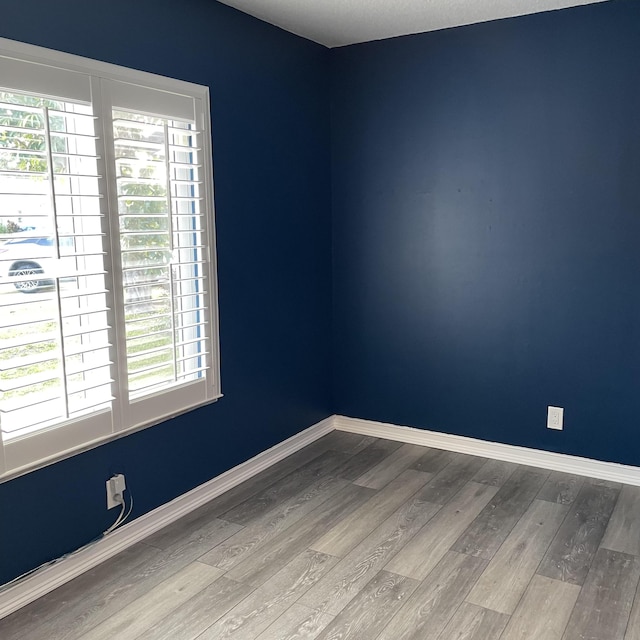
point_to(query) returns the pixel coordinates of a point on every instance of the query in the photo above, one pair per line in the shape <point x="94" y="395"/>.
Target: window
<point x="108" y="306"/>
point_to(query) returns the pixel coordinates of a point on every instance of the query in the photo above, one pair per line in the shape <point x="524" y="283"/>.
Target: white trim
<point x="42" y="582"/>
<point x="506" y="452"/>
<point x="11" y="474"/>
<point x="70" y="61"/>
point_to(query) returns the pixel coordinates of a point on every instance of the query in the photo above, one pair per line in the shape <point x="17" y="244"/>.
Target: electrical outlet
<point x="555" y="417"/>
<point x="115" y="491"/>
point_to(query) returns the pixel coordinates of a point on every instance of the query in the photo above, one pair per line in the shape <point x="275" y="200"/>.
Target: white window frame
<point x="130" y="89"/>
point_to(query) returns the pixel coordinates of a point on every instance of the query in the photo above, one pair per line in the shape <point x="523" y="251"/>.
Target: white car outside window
<point x="30" y="263"/>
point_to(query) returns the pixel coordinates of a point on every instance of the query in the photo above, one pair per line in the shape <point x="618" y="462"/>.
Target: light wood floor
<point x="357" y="538"/>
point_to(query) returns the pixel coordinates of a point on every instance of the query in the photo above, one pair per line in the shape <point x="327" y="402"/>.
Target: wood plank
<point x="103" y="591"/>
<point x="347" y="442"/>
<point x="431" y="543"/>
<point x="543" y="611"/>
<point x="471" y="622"/>
<point x="351" y="530"/>
<point x="297" y="623"/>
<point x="242" y="492"/>
<point x="623" y="531"/>
<point x="495" y="472"/>
<point x="176" y="532"/>
<point x="510" y="570"/>
<point x="249" y="510"/>
<point x="374" y="606"/>
<point x="200" y="612"/>
<point x="137" y="617"/>
<point x="268" y="602"/>
<point x="452" y="478"/>
<point x="633" y="626"/>
<point x="561" y="487"/>
<point x="261" y="531"/>
<point x="604" y="483"/>
<point x="353" y="572"/>
<point x="572" y="550"/>
<point x="195" y="541"/>
<point x="428" y="611"/>
<point x="367" y="458"/>
<point x="335" y="441"/>
<point x="604" y="604"/>
<point x="433" y="460"/>
<point x="59" y="613"/>
<point x="261" y="565"/>
<point x="391" y="467"/>
<point x="488" y="531"/>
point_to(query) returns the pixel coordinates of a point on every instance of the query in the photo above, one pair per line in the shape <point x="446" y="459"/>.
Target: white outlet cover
<point x="555" y="418"/>
<point x="115" y="488"/>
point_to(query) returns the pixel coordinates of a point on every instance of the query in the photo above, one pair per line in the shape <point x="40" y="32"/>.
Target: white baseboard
<point x="49" y="578"/>
<point x="506" y="452"/>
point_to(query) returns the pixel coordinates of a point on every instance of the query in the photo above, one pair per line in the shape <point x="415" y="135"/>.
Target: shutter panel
<point x="55" y="363"/>
<point x="162" y="238"/>
<point x="161" y="243"/>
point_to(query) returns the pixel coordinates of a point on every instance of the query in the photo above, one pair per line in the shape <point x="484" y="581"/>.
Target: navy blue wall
<point x="270" y="118"/>
<point x="486" y="226"/>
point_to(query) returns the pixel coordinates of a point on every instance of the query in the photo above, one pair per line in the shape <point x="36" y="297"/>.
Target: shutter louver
<point x="54" y="359"/>
<point x="161" y="243"/>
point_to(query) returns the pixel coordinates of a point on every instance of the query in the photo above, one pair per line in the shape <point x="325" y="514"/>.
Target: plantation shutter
<point x="163" y="249"/>
<point x="55" y="361"/>
<point x="108" y="317"/>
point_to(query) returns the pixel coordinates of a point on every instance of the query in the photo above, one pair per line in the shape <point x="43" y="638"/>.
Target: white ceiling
<point x="335" y="23"/>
